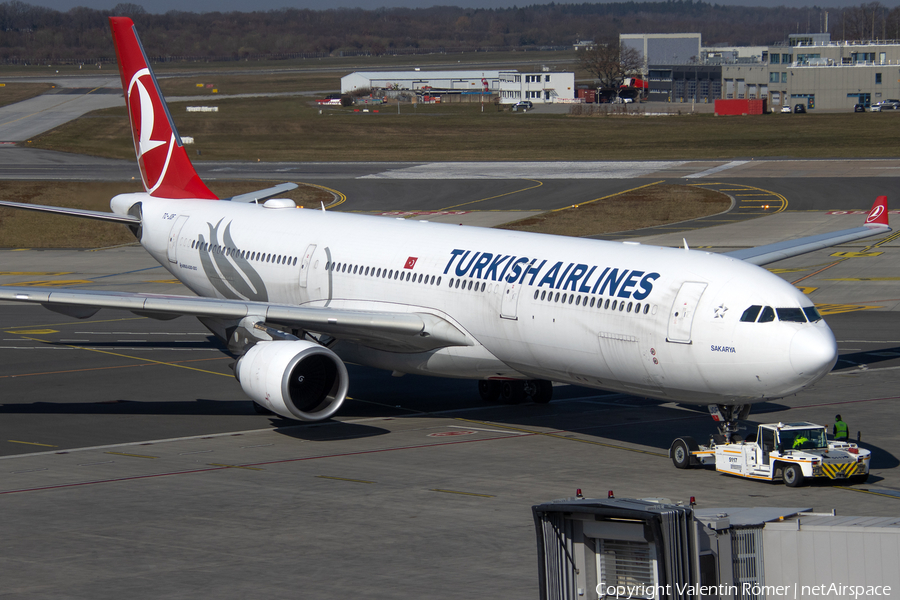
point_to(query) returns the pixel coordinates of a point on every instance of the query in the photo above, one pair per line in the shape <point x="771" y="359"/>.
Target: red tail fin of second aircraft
<point x="165" y="167"/>
<point x="878" y="215"/>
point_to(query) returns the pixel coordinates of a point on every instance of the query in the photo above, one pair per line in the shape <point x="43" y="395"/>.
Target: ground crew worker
<point x="840" y="430"/>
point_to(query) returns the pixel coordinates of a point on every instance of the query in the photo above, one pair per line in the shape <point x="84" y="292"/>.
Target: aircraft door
<point x="174" y="233"/>
<point x="681" y="316"/>
<point x="305" y="264"/>
<point x="509" y="304"/>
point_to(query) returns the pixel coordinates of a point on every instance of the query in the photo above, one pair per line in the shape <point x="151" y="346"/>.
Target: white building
<point x="509" y="86"/>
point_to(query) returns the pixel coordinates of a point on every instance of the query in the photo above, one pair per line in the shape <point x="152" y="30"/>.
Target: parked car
<point x="859" y="108"/>
<point x="786" y="109"/>
<point x="523" y="105"/>
<point x="799" y="108"/>
<point x="886" y="105"/>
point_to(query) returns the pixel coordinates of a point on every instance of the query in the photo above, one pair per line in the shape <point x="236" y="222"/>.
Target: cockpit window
<point x="812" y="314"/>
<point x="750" y="314"/>
<point x="794" y="315"/>
<point x="767" y="316"/>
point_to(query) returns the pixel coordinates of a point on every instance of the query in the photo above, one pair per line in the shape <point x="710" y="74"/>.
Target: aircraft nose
<point x="813" y="351"/>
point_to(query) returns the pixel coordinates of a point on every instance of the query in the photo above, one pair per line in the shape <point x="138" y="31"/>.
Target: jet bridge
<point x="652" y="549"/>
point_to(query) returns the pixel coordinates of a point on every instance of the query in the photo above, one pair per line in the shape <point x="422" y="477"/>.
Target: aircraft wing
<point x="876" y="224"/>
<point x="394" y="331"/>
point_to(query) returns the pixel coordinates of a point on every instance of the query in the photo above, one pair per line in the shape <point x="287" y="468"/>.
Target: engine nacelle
<point x="294" y="379"/>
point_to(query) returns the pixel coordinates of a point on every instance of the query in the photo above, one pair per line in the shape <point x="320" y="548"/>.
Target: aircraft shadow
<point x="856" y="359"/>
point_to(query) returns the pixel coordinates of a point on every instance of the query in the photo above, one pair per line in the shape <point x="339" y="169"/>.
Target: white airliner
<point x="296" y="292"/>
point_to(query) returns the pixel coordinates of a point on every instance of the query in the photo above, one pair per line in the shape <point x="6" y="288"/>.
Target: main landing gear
<point x="727" y="416"/>
<point x="515" y="391"/>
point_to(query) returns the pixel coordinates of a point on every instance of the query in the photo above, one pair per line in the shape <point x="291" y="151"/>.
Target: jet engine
<point x="295" y="379"/>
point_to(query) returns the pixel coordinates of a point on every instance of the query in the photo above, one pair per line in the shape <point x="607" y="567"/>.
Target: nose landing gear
<point x="727" y="416"/>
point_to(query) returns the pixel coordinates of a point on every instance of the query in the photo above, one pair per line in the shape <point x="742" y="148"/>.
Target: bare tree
<point x="611" y="62"/>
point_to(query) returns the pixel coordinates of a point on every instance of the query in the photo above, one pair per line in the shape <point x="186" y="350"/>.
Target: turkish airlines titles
<point x="575" y="277"/>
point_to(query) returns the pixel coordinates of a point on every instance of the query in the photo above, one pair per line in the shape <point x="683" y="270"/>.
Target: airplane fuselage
<point x="650" y="321"/>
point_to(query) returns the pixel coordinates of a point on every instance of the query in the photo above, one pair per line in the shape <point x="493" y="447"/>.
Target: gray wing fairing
<point x="392" y="331"/>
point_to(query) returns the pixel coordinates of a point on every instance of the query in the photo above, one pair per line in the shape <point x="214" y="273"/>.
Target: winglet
<point x="878" y="216"/>
<point x="166" y="170"/>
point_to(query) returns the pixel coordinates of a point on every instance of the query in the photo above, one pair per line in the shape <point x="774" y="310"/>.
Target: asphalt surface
<point x="131" y="465"/>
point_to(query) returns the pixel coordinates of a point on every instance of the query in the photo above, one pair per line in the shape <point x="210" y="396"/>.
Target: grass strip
<point x="293" y="129"/>
<point x="646" y="207"/>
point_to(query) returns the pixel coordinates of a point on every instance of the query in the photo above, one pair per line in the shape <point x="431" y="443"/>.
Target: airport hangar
<point x="539" y="87"/>
<point x="808" y="69"/>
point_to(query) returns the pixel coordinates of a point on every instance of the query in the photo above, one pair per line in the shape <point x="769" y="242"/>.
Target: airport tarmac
<point x="132" y="465"/>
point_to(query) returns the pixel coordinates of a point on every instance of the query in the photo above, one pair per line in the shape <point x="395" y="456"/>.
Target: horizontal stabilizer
<point x="75" y="212"/>
<point x="265" y="194"/>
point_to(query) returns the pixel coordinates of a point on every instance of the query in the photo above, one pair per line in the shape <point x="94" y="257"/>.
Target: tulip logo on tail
<point x="153" y="135"/>
<point x="874" y="214"/>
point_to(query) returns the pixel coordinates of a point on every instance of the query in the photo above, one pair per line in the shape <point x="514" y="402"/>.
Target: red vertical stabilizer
<point x="166" y="170"/>
<point x="879" y="213"/>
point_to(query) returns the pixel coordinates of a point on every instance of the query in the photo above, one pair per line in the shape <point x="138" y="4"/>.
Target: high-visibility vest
<point x="841" y="430"/>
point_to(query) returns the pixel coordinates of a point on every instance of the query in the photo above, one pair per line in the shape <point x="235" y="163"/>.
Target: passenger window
<point x="629" y="307"/>
<point x="767" y="316"/>
<point x="606" y="305"/>
<point x="793" y="315"/>
<point x="812" y="314"/>
<point x="750" y="314"/>
<point x="613" y="304"/>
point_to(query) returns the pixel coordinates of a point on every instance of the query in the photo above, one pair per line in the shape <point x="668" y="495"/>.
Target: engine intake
<point x="295" y="379"/>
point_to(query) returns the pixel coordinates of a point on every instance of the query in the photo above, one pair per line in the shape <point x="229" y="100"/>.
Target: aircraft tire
<point x="512" y="392"/>
<point x="543" y="391"/>
<point x="489" y="390"/>
<point x="793" y="476"/>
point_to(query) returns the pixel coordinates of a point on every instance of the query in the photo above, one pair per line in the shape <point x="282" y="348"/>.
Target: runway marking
<point x="463" y="493"/>
<point x="863" y="491"/>
<point x="33" y="273"/>
<point x="54" y="283"/>
<point x="343" y="479"/>
<point x="857" y="254"/>
<point x="217" y="468"/>
<point x="132" y="455"/>
<point x="148" y="360"/>
<point x="236" y="467"/>
<point x="846" y="256"/>
<point x="104" y="368"/>
<point x="539" y="184"/>
<point x="33" y="332"/>
<point x="835" y="309"/>
<point x="640" y="187"/>
<point x="558" y="434"/>
<point x="865" y="279"/>
<point x="32" y="443"/>
<point x="714" y="170"/>
<point x="489" y="430"/>
<point x="342" y="197"/>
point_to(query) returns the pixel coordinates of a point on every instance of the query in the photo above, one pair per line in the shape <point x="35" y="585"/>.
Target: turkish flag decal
<point x="410" y="262"/>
